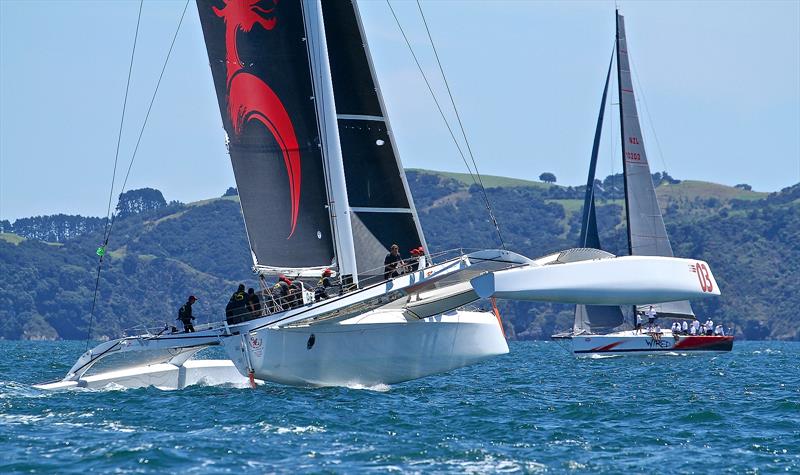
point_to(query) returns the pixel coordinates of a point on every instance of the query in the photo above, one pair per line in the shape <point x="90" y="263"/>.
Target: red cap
<point x="415" y="252"/>
<point x="192" y="297"/>
<point x="327" y="272"/>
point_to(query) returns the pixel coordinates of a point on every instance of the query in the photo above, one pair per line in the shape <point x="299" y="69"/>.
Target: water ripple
<point x="535" y="410"/>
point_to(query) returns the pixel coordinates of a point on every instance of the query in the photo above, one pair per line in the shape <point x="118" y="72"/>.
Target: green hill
<point x="159" y="253"/>
<point x="489" y="181"/>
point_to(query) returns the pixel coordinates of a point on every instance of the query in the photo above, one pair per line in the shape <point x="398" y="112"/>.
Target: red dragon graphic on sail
<point x="250" y="98"/>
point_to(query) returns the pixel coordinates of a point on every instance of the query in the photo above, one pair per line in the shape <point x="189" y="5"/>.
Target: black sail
<point x="262" y="75"/>
<point x="382" y="211"/>
<point x="647" y="235"/>
<point x="598" y="318"/>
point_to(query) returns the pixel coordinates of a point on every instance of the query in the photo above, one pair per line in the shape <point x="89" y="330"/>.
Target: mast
<point x="339" y="206"/>
<point x="622" y="134"/>
<point x="382" y="210"/>
<point x="622" y="146"/>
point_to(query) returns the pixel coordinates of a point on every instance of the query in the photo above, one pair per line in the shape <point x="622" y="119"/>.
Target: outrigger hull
<point x="629" y="342"/>
<point x="160" y="375"/>
<point x="379" y="348"/>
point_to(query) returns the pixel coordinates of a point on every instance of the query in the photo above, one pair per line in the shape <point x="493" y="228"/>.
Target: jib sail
<point x="382" y="211"/>
<point x="647" y="235"/>
<point x="262" y="75"/>
<point x="598" y="318"/>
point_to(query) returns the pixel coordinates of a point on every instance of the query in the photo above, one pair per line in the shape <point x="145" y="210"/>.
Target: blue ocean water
<point x="537" y="409"/>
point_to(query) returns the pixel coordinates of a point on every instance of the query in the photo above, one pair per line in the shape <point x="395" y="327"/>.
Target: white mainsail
<point x="647" y="235"/>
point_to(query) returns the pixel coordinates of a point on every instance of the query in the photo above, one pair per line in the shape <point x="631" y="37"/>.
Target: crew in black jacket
<point x="393" y="263"/>
<point x="185" y="314"/>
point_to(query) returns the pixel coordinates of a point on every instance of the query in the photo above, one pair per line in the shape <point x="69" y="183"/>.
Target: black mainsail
<point x="382" y="211"/>
<point x="597" y="318"/>
<point x="647" y="235"/>
<point x="260" y="65"/>
<point x="319" y="177"/>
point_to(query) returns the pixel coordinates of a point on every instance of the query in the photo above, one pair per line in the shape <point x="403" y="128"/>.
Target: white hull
<point x="630" y="342"/>
<point x="378" y="348"/>
<point x="160" y="375"/>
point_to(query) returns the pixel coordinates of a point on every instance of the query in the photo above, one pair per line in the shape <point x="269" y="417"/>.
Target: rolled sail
<point x="647" y="235"/>
<point x="382" y="211"/>
<point x="262" y="75"/>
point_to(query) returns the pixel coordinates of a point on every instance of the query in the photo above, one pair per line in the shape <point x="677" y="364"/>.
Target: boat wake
<point x="381" y="388"/>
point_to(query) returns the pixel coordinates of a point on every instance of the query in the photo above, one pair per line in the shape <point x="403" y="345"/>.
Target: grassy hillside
<point x="489" y="181"/>
<point x="11" y="238"/>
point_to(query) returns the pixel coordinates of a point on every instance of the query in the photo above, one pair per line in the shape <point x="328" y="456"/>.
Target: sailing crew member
<point x="392" y="263"/>
<point x="237" y="305"/>
<point x="696" y="327"/>
<point x="279" y="292"/>
<point x="709" y="326"/>
<point x="685" y="327"/>
<point x="422" y="261"/>
<point x="253" y="303"/>
<point x="295" y="296"/>
<point x="185" y="314"/>
<point x="321" y="290"/>
<point x="651" y="316"/>
<point x="719" y="331"/>
<point x="638" y="326"/>
<point x="414" y="264"/>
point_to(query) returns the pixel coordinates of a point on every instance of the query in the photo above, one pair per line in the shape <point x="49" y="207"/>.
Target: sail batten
<point x="647" y="235"/>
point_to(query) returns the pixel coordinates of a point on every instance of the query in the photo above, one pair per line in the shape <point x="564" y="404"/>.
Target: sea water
<point x="537" y="409"/>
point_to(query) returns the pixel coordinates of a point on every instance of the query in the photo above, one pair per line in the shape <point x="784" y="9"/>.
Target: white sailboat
<point x="321" y="187"/>
<point x="593" y="330"/>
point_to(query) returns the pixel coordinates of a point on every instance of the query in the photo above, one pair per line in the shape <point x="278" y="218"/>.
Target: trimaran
<point x="593" y="330"/>
<point x="321" y="186"/>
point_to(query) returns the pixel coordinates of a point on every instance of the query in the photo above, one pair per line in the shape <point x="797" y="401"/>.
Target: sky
<point x="718" y="92"/>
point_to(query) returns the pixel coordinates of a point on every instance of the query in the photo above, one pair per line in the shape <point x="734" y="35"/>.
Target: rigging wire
<point x="433" y="95"/>
<point x="444" y="119"/>
<point x="153" y="98"/>
<point x="461" y="126"/>
<point x="101" y="251"/>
